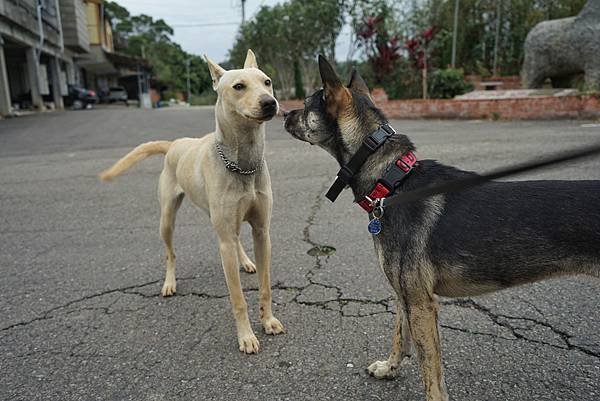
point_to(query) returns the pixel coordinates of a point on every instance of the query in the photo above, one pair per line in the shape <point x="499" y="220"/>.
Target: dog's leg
<point x="228" y="233"/>
<point x="262" y="251"/>
<point x="401" y="348"/>
<point x="423" y="323"/>
<point x="247" y="264"/>
<point x="170" y="201"/>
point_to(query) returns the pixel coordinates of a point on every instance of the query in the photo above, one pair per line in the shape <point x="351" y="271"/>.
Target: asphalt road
<point x="82" y="266"/>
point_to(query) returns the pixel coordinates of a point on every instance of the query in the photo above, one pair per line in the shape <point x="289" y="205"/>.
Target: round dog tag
<point x="374" y="226"/>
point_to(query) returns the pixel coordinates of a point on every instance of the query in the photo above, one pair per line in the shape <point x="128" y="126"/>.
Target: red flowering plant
<point x="381" y="46"/>
<point x="420" y="48"/>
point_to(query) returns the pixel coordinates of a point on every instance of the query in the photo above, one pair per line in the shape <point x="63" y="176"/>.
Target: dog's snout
<point x="268" y="103"/>
<point x="285" y="113"/>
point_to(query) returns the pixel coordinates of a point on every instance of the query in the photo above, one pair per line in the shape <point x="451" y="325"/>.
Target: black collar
<point x="369" y="145"/>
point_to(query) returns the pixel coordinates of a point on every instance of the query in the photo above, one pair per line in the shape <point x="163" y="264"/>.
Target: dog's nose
<point x="285" y="113"/>
<point x="268" y="103"/>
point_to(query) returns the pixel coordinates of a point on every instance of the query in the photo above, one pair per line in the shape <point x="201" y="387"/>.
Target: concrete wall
<point x="74" y="24"/>
<point x="23" y="14"/>
<point x="29" y="69"/>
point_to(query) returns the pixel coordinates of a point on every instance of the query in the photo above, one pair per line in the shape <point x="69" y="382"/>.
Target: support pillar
<point x="70" y="73"/>
<point x="5" y="104"/>
<point x="33" y="69"/>
<point x="57" y="83"/>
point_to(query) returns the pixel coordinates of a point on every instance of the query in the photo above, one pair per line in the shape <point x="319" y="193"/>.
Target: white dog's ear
<point x="250" y="60"/>
<point x="216" y="71"/>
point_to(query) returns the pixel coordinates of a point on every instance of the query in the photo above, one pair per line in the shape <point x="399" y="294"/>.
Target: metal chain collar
<point x="231" y="165"/>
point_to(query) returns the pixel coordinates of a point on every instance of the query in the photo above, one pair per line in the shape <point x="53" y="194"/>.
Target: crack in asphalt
<point x="338" y="302"/>
<point x="498" y="319"/>
<point x="504" y="321"/>
<point x="47" y="314"/>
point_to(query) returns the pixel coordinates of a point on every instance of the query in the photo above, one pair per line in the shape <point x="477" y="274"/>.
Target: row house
<point x="47" y="45"/>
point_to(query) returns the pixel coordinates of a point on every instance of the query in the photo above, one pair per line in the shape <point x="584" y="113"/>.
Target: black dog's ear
<point x="336" y="94"/>
<point x="328" y="75"/>
<point x="358" y="84"/>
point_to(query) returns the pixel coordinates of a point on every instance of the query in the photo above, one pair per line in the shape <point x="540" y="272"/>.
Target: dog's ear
<point x="336" y="94"/>
<point x="358" y="84"/>
<point x="250" y="60"/>
<point x="216" y="71"/>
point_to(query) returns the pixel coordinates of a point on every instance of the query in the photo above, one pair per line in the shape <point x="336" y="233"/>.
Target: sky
<point x="216" y="23"/>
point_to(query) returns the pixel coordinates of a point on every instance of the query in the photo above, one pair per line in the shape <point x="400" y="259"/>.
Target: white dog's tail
<point x="136" y="155"/>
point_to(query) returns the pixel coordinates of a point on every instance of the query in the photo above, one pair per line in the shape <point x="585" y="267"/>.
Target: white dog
<point x="225" y="174"/>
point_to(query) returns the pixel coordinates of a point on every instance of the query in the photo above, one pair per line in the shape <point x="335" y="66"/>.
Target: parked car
<point x="80" y="98"/>
<point x="117" y="94"/>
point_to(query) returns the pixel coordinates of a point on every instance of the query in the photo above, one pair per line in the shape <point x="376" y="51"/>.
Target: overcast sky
<point x="206" y="36"/>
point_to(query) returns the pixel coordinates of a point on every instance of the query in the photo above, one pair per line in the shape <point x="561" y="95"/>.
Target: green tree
<point x="287" y="38"/>
<point x="476" y="32"/>
<point x="476" y="39"/>
<point x="143" y="36"/>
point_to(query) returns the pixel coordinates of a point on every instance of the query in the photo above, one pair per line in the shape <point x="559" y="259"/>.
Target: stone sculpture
<point x="563" y="48"/>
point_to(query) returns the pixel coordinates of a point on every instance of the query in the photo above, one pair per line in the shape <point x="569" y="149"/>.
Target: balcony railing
<point x="20" y="11"/>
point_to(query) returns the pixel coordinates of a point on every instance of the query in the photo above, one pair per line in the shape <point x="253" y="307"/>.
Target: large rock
<point x="560" y="49"/>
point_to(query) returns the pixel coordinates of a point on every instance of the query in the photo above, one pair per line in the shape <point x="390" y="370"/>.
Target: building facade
<point x="102" y="67"/>
<point x="47" y="45"/>
<point x="34" y="68"/>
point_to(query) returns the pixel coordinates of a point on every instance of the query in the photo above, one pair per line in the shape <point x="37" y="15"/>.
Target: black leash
<point x="470" y="182"/>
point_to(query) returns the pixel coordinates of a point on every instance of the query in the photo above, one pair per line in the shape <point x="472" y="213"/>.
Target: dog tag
<point x="375" y="226"/>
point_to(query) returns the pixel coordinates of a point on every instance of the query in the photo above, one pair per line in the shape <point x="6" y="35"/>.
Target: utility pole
<point x="453" y="63"/>
<point x="187" y="65"/>
<point x="243" y="11"/>
<point x="498" y="13"/>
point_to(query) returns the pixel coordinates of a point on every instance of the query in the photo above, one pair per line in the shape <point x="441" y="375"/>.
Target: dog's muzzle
<point x="268" y="106"/>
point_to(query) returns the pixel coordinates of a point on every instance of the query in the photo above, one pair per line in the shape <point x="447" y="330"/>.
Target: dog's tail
<point x="136" y="155"/>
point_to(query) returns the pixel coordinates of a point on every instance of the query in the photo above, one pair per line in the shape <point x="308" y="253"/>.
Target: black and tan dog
<point x="484" y="239"/>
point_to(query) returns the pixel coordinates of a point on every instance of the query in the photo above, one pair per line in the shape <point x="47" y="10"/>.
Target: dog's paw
<point x="169" y="288"/>
<point x="249" y="344"/>
<point x="382" y="370"/>
<point x="248" y="266"/>
<point x="273" y="326"/>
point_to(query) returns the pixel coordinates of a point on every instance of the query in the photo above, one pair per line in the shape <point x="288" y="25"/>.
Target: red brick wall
<point x="534" y="108"/>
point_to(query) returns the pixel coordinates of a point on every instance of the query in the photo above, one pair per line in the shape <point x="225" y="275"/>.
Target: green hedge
<point x="448" y="83"/>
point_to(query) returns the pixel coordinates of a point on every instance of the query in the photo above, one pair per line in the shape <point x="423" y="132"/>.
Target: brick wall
<point x="533" y="108"/>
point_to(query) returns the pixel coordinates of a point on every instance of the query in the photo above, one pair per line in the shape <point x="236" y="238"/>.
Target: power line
<point x="203" y="24"/>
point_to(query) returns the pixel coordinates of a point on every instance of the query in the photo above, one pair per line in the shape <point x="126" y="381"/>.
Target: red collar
<point x="397" y="171"/>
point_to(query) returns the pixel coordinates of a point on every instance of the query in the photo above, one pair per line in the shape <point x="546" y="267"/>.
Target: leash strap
<point x="369" y="145"/>
<point x="470" y="182"/>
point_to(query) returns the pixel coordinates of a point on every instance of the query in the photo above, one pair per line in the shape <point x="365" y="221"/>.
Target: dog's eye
<point x="238" y="87"/>
<point x="268" y="82"/>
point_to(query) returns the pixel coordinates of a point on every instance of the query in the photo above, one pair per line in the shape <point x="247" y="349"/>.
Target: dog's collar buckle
<point x="397" y="171"/>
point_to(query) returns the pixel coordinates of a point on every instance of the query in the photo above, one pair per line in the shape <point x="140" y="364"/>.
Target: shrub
<point x="402" y="83"/>
<point x="206" y="98"/>
<point x="448" y="83"/>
